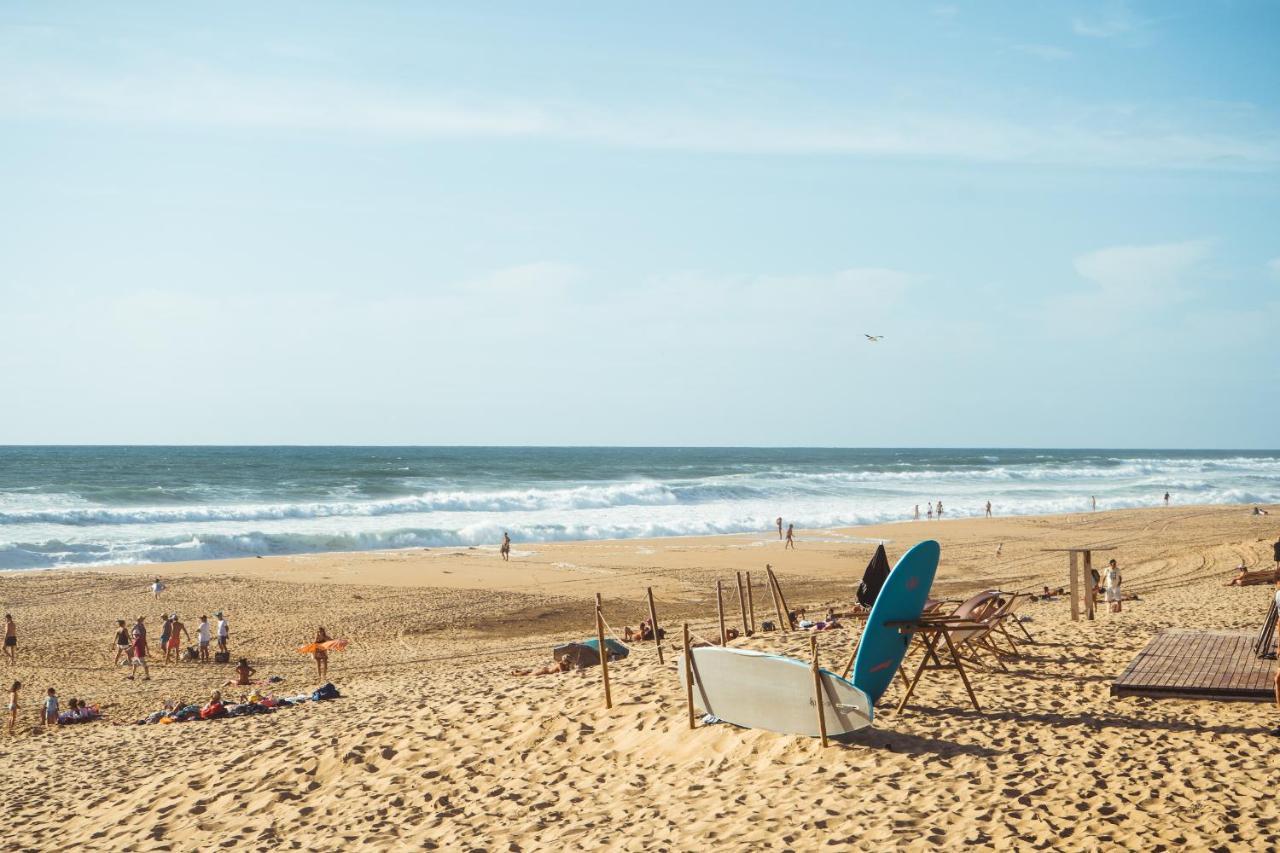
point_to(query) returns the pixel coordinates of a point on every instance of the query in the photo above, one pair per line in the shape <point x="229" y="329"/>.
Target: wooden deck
<point x="1187" y="664"/>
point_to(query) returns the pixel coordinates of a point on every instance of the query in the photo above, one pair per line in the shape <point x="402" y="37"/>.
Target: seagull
<point x="873" y="338"/>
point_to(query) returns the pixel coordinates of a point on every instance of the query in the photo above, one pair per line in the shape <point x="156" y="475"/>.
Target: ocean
<point x="85" y="506"/>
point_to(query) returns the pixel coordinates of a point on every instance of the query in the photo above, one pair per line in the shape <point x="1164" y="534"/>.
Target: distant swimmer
<point x="791" y="537"/>
<point x="873" y="338"/>
<point x="779" y="527"/>
<point x="988" y="509"/>
<point x="505" y="550"/>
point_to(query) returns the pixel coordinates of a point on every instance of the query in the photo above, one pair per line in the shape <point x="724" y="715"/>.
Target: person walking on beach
<point x="121" y="642"/>
<point x="505" y="550"/>
<point x="139" y="651"/>
<point x="1166" y="498"/>
<point x="157" y="588"/>
<point x="791" y="537"/>
<point x="166" y="630"/>
<point x="321" y="654"/>
<point x="10" y="639"/>
<point x="13" y="705"/>
<point x="939" y="510"/>
<point x="988" y="509"/>
<point x="224" y="632"/>
<point x="203" y="635"/>
<point x="779" y="527"/>
<point x="930" y="514"/>
<point x="1111" y="584"/>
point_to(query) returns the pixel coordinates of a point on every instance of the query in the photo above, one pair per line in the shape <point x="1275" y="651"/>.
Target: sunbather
<point x="1241" y="573"/>
<point x="561" y="665"/>
<point x="244" y="674"/>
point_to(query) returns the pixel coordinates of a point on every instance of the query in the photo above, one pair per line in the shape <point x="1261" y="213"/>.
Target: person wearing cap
<point x="223" y="631"/>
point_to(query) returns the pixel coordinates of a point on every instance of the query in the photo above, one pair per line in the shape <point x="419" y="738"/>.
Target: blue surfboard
<point x="882" y="648"/>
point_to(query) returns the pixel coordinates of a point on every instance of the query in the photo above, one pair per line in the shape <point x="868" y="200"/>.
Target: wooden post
<point x="1075" y="588"/>
<point x="1088" y="585"/>
<point x="653" y="623"/>
<point x="688" y="675"/>
<point x="785" y="609"/>
<point x="604" y="654"/>
<point x="751" y="604"/>
<point x="817" y="689"/>
<point x="724" y="641"/>
<point x="783" y="624"/>
<point x="742" y="603"/>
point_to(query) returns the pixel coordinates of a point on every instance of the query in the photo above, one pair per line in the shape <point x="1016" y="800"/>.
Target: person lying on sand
<point x="644" y="632"/>
<point x="1242" y="572"/>
<point x="561" y="665"/>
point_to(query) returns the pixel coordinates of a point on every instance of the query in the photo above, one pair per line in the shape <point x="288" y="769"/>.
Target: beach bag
<point x="328" y="691"/>
<point x="222" y="657"/>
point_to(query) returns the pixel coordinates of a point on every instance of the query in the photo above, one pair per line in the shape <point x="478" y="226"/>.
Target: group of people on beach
<point x="931" y="510"/>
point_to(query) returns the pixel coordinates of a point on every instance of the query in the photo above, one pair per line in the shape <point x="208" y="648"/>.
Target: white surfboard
<point x="764" y="691"/>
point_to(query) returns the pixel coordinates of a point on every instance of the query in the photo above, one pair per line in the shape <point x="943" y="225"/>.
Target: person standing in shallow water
<point x="1166" y="498"/>
<point x="505" y="550"/>
<point x="988" y="509"/>
<point x="791" y="537"/>
<point x="779" y="527"/>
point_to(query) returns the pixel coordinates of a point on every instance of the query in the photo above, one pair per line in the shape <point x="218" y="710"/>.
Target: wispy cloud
<point x="1273" y="266"/>
<point x="1117" y="20"/>
<point x="1090" y="138"/>
<point x="1044" y="51"/>
<point x="1143" y="275"/>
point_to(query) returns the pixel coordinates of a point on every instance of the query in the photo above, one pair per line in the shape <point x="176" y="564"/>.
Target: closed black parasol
<point x="873" y="578"/>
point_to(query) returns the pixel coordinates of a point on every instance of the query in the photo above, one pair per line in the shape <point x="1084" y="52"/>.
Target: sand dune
<point x="434" y="745"/>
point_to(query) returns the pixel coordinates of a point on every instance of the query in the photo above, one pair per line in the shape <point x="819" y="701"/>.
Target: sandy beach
<point x="435" y="745"/>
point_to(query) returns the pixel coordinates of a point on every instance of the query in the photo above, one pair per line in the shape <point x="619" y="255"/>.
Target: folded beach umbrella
<point x="873" y="577"/>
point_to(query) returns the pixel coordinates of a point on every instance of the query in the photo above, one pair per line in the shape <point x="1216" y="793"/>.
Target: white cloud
<point x="1044" y="51"/>
<point x="1108" y="23"/>
<point x="1273" y="266"/>
<point x="1134" y="276"/>
<point x="206" y="100"/>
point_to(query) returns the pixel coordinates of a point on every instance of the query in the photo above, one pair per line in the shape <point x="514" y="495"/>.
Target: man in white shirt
<point x="223" y="631"/>
<point x="203" y="634"/>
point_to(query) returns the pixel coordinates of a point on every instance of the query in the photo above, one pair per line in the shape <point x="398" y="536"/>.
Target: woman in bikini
<point x="320" y="654"/>
<point x="122" y="642"/>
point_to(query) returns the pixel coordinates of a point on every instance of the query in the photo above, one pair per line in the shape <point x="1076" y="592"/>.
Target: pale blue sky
<point x="641" y="224"/>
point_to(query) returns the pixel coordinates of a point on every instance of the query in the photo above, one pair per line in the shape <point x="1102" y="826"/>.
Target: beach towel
<point x="330" y="646"/>
<point x="874" y="577"/>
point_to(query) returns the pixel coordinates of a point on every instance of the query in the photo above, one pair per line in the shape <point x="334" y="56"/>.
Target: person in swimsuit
<point x="166" y="631"/>
<point x="930" y="513"/>
<point x="176" y="630"/>
<point x="49" y="711"/>
<point x="139" y="651"/>
<point x="321" y="655"/>
<point x="244" y="673"/>
<point x="791" y="537"/>
<point x="939" y="510"/>
<point x="779" y="527"/>
<point x="10" y="639"/>
<point x="561" y="665"/>
<point x="121" y="642"/>
<point x="988" y="509"/>
<point x="13" y="705"/>
<point x="505" y="550"/>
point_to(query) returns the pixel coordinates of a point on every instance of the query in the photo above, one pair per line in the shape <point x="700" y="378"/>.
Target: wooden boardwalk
<point x="1181" y="663"/>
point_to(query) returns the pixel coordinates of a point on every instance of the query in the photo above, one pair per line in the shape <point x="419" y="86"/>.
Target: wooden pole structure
<point x="1075" y="589"/>
<point x="688" y="675"/>
<point x="724" y="640"/>
<point x="604" y="653"/>
<point x="751" y="604"/>
<point x="817" y="689"/>
<point x="783" y="623"/>
<point x="742" y="604"/>
<point x="785" y="609"/>
<point x="1088" y="585"/>
<point x="653" y="623"/>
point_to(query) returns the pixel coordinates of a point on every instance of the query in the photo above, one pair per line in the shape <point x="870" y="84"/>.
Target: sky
<point x="641" y="224"/>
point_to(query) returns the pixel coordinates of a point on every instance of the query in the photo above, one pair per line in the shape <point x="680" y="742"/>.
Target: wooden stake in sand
<point x="724" y="641"/>
<point x="653" y="623"/>
<point x="785" y="614"/>
<point x="604" y="653"/>
<point x="751" y="604"/>
<point x="1087" y="577"/>
<point x="783" y="622"/>
<point x="817" y="688"/>
<point x="1075" y="601"/>
<point x="742" y="604"/>
<point x="688" y="675"/>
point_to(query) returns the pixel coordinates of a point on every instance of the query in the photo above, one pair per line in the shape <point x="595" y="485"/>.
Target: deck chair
<point x="986" y="611"/>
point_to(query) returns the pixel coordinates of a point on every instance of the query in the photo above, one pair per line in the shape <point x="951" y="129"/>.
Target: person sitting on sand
<point x="214" y="708"/>
<point x="10" y="639"/>
<point x="644" y="632"/>
<point x="562" y="664"/>
<point x="321" y="655"/>
<point x="244" y="673"/>
<point x="1242" y="572"/>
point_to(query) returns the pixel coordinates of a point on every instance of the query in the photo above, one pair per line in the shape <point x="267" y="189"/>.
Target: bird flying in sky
<point x="873" y="338"/>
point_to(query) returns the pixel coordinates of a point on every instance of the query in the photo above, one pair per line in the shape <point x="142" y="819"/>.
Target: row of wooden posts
<point x="746" y="605"/>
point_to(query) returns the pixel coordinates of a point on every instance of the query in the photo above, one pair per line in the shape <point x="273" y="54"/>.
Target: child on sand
<point x="49" y="711"/>
<point x="13" y="705"/>
<point x="1111" y="584"/>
